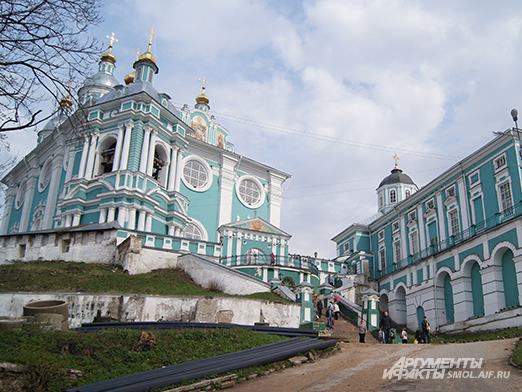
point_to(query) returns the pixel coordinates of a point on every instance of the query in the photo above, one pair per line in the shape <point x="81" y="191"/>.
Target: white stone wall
<point x="204" y="272"/>
<point x="82" y="246"/>
<point x="83" y="308"/>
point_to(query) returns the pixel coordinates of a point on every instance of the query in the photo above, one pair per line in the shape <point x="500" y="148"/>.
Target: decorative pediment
<point x="255" y="224"/>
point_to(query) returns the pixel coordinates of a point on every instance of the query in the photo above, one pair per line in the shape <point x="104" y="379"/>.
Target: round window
<point x="250" y="192"/>
<point x="196" y="174"/>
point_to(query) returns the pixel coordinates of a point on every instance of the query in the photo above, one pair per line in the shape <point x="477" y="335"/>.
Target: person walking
<point x="426" y="330"/>
<point x="319" y="307"/>
<point x="330" y="315"/>
<point x="337" y="310"/>
<point x="362" y="331"/>
<point x="404" y="336"/>
<point x="386" y="325"/>
<point x="418" y="336"/>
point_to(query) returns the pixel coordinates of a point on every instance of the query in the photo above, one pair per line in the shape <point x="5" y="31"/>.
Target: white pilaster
<point x="148" y="223"/>
<point x="145" y="150"/>
<point x="52" y="196"/>
<point x="27" y="207"/>
<point x="92" y="155"/>
<point x="226" y="189"/>
<point x="141" y="220"/>
<point x="76" y="219"/>
<point x="126" y="146"/>
<point x="70" y="166"/>
<point x="132" y="219"/>
<point x="152" y="147"/>
<point x="103" y="215"/>
<point x="83" y="161"/>
<point x="111" y="214"/>
<point x="122" y="216"/>
<point x="179" y="172"/>
<point x="117" y="152"/>
<point x="10" y="197"/>
<point x="462" y="298"/>
<point x="493" y="289"/>
<point x="172" y="169"/>
<point x="68" y="220"/>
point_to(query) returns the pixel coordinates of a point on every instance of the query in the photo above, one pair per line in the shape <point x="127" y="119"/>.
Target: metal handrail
<point x="292" y="261"/>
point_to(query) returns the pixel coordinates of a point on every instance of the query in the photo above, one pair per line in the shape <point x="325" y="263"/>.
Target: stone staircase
<point x="345" y="331"/>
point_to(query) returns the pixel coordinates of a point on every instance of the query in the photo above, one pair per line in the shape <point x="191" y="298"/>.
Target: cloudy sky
<point x="329" y="90"/>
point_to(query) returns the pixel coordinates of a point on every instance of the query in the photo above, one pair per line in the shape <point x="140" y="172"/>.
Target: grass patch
<point x="478" y="336"/>
<point x="114" y="353"/>
<point x="61" y="276"/>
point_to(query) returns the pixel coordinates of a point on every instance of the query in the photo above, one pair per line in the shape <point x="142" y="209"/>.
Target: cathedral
<point x="128" y="160"/>
<point x="450" y="251"/>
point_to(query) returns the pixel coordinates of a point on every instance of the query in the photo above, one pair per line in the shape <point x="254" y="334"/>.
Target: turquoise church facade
<point x="129" y="158"/>
<point x="450" y="251"/>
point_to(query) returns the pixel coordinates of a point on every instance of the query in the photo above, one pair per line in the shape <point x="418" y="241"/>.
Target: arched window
<point x="193" y="232"/>
<point x="393" y="196"/>
<point x="408" y="194"/>
<point x="255" y="256"/>
<point x="107" y="159"/>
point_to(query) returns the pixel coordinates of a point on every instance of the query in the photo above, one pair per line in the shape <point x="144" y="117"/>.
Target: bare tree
<point x="44" y="48"/>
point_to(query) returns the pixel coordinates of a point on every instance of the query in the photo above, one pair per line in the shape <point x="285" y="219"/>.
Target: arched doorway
<point x="400" y="314"/>
<point x="383" y="303"/>
<point x="509" y="277"/>
<point x="420" y="316"/>
<point x="476" y="290"/>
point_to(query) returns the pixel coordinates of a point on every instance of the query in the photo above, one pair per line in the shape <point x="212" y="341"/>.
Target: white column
<point x="141" y="220"/>
<point x="11" y="194"/>
<point x="28" y="201"/>
<point x="179" y="169"/>
<point x="239" y="242"/>
<point x="131" y="225"/>
<point x="462" y="298"/>
<point x="111" y="214"/>
<point x="52" y="196"/>
<point x="172" y="168"/>
<point x="493" y="289"/>
<point x="226" y="189"/>
<point x="117" y="152"/>
<point x="76" y="219"/>
<point x="68" y="220"/>
<point x="70" y="166"/>
<point x="103" y="215"/>
<point x="126" y="146"/>
<point x="177" y="231"/>
<point x="275" y="193"/>
<point x="148" y="223"/>
<point x="122" y="216"/>
<point x="145" y="150"/>
<point x="152" y="147"/>
<point x="83" y="161"/>
<point x="92" y="155"/>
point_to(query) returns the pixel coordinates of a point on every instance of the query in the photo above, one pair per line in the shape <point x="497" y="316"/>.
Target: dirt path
<point x="359" y="367"/>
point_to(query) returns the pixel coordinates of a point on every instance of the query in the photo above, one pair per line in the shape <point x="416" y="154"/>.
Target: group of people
<point x="423" y="336"/>
<point x="332" y="312"/>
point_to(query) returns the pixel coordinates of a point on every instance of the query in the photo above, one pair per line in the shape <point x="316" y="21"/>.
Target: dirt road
<point x="360" y="367"/>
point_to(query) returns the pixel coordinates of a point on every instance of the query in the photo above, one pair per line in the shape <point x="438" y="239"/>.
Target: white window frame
<point x="205" y="165"/>
<point x="414" y="242"/>
<point x="393" y="196"/>
<point x="451" y="225"/>
<point x="397" y="251"/>
<point x="261" y="200"/>
<point x="396" y="226"/>
<point x="382" y="259"/>
<point x="380" y="235"/>
<point x="501" y="206"/>
<point x="500" y="163"/>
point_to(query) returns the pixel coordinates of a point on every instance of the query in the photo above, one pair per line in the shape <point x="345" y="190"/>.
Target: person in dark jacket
<point x="319" y="307"/>
<point x="386" y="325"/>
<point x="426" y="330"/>
<point x="418" y="336"/>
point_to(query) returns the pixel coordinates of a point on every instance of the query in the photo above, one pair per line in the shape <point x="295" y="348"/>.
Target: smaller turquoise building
<point x="450" y="251"/>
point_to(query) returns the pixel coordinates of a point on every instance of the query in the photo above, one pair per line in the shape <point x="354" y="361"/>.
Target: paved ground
<point x="360" y="367"/>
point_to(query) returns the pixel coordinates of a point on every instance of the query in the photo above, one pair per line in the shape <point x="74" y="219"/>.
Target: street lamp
<point x="514" y="114"/>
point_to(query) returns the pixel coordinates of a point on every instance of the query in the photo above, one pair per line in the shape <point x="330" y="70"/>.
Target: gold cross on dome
<point x="137" y="51"/>
<point x="152" y="35"/>
<point x="203" y="82"/>
<point x="112" y="39"/>
<point x="396" y="161"/>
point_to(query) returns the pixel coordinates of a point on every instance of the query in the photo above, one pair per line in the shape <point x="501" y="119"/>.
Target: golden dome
<point x="147" y="56"/>
<point x="66" y="101"/>
<point x="108" y="57"/>
<point x="129" y="79"/>
<point x="202" y="98"/>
